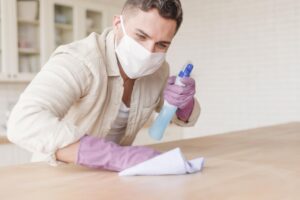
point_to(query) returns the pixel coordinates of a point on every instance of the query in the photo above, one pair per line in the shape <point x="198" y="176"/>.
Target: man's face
<point x="149" y="29"/>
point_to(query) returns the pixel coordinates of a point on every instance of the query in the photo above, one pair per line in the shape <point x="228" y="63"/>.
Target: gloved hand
<point x="99" y="153"/>
<point x="181" y="96"/>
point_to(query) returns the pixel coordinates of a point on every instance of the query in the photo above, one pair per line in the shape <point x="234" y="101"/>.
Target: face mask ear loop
<point x="123" y="29"/>
<point x="122" y="25"/>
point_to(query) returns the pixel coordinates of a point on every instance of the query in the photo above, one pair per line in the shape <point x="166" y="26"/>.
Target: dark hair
<point x="169" y="9"/>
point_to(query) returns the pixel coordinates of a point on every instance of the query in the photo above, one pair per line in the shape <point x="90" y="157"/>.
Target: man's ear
<point x="116" y="23"/>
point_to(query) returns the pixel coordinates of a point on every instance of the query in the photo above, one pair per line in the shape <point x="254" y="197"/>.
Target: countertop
<point x="261" y="163"/>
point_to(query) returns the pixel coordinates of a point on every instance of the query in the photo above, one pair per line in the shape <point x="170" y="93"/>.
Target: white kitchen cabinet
<point x="9" y="48"/>
<point x="0" y="39"/>
<point x="11" y="154"/>
<point x="32" y="29"/>
<point x="28" y="40"/>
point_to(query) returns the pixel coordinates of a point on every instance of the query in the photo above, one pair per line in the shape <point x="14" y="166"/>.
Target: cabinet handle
<point x="9" y="75"/>
<point x="15" y="76"/>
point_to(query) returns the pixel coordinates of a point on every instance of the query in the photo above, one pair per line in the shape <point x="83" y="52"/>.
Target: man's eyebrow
<point x="165" y="42"/>
<point x="142" y="32"/>
<point x="146" y="35"/>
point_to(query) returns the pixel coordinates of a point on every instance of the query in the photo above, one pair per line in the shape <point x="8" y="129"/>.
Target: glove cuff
<point x="184" y="113"/>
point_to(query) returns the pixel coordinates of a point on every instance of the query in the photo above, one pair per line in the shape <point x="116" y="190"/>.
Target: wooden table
<point x="4" y="140"/>
<point x="261" y="163"/>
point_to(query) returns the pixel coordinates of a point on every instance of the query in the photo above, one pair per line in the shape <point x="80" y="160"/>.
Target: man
<point x="92" y="97"/>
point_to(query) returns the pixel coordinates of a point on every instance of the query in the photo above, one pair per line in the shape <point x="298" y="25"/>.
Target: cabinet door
<point x="93" y="21"/>
<point x="9" y="55"/>
<point x="28" y="25"/>
<point x="19" y="40"/>
<point x="0" y="38"/>
<point x="92" y="17"/>
<point x="57" y="25"/>
<point x="63" y="21"/>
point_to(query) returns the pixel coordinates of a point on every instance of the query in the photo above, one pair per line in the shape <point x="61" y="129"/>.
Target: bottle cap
<point x="187" y="71"/>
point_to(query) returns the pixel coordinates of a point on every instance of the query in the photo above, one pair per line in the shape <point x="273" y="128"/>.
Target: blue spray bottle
<point x="159" y="126"/>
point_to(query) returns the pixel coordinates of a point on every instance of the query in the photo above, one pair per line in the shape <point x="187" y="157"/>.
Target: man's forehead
<point x="151" y="23"/>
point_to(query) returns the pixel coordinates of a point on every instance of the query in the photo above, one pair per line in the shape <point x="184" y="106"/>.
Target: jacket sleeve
<point x="37" y="121"/>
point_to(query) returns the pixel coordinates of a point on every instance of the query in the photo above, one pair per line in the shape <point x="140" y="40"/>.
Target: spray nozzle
<point x="186" y="71"/>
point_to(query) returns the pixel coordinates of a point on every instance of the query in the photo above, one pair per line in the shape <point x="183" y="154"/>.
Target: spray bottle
<point x="166" y="114"/>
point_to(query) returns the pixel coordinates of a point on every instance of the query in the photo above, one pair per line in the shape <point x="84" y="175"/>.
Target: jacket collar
<point x="111" y="57"/>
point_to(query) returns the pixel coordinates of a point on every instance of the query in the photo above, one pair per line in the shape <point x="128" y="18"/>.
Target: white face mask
<point x="135" y="59"/>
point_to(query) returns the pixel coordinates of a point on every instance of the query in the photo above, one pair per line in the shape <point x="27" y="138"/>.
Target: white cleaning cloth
<point x="171" y="162"/>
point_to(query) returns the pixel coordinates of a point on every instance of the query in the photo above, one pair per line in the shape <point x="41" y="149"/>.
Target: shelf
<point x="28" y="51"/>
<point x="67" y="27"/>
<point x="34" y="22"/>
<point x="17" y="78"/>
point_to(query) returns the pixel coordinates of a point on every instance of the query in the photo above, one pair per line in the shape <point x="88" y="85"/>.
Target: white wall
<point x="246" y="54"/>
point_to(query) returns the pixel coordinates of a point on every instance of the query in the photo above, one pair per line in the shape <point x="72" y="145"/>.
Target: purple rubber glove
<point x="181" y="96"/>
<point x="99" y="153"/>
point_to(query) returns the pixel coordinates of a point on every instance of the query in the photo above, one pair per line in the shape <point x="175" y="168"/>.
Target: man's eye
<point x="141" y="37"/>
<point x="162" y="46"/>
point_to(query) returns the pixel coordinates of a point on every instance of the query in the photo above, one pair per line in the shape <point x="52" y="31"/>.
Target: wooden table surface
<point x="4" y="140"/>
<point x="261" y="163"/>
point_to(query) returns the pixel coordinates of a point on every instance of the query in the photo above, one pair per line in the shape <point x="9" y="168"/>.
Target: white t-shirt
<point x="118" y="127"/>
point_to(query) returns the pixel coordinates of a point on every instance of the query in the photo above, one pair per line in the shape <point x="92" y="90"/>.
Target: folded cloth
<point x="169" y="163"/>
